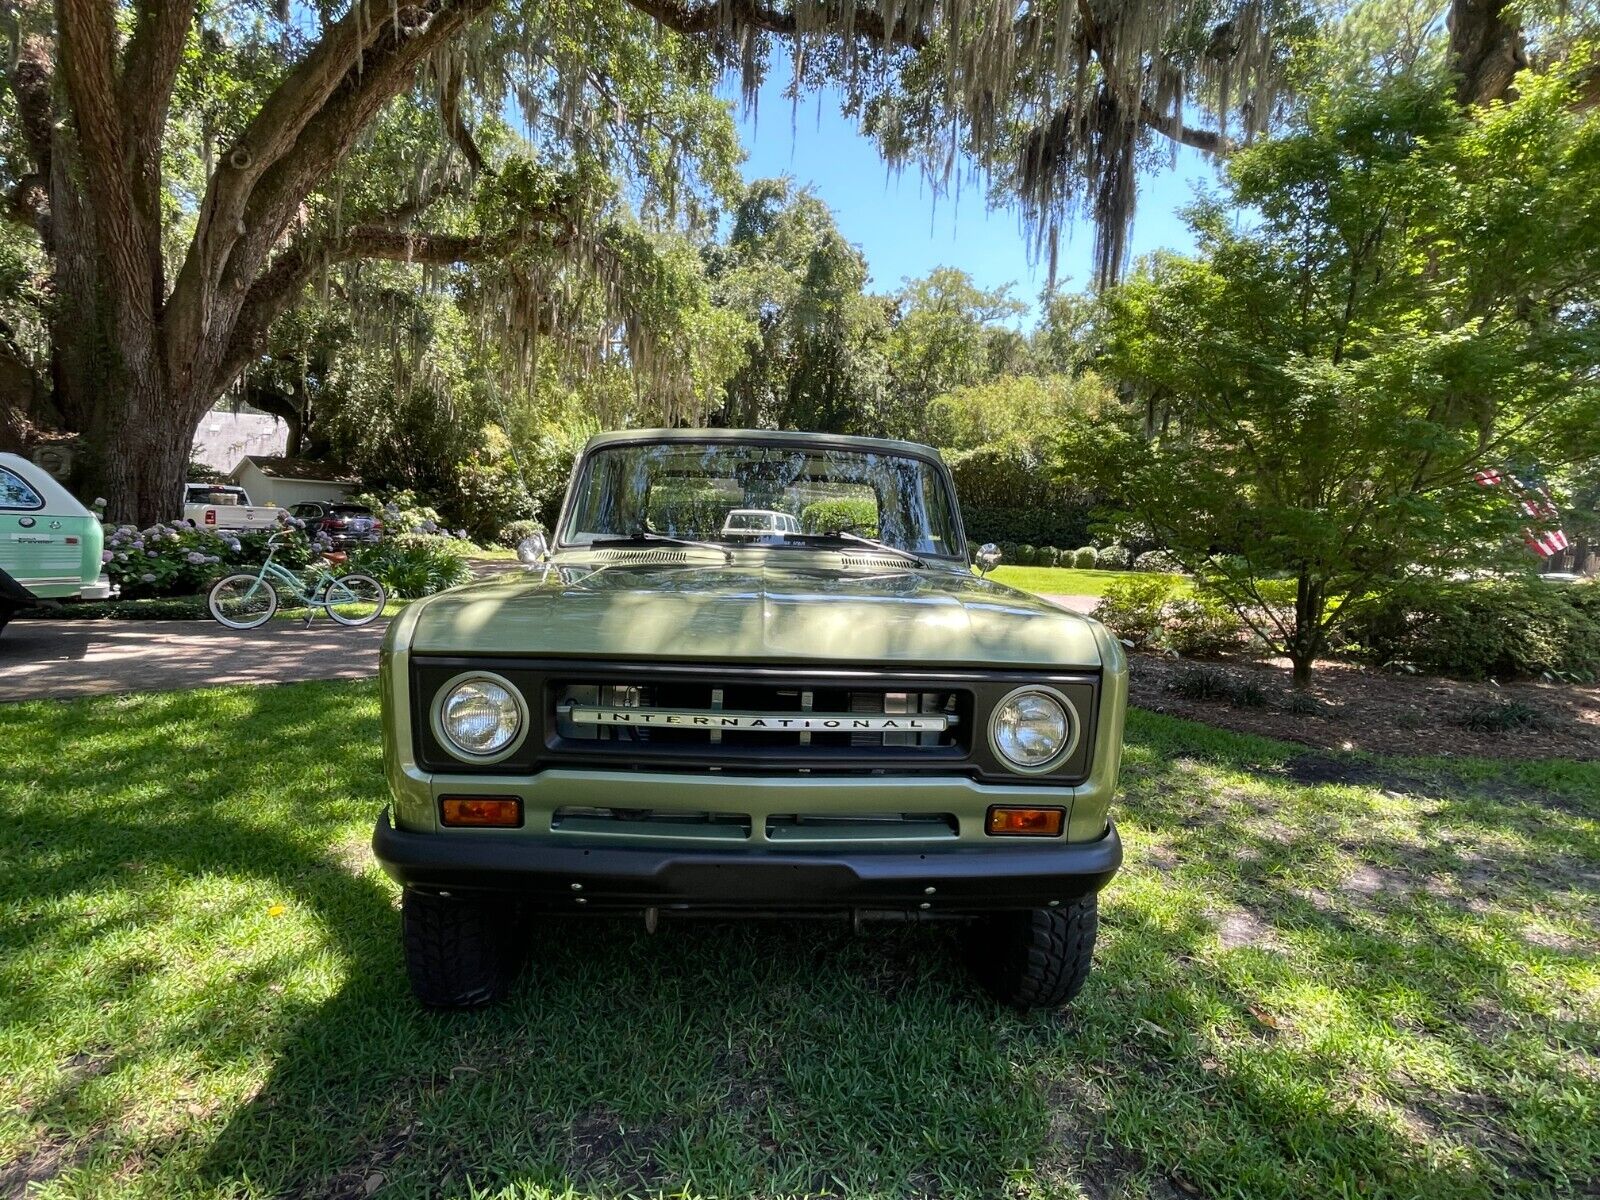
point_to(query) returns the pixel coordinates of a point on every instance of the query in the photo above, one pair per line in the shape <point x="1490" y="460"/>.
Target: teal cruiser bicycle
<point x="245" y="601"/>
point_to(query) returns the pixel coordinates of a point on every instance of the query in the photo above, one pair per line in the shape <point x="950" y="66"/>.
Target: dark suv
<point x="345" y="524"/>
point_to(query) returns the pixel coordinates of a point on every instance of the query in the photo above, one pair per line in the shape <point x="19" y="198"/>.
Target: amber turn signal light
<point x="1005" y="821"/>
<point x="500" y="812"/>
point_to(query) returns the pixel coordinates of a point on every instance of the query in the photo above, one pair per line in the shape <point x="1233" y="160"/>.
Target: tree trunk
<point x="143" y="444"/>
<point x="1486" y="49"/>
<point x="1306" y="641"/>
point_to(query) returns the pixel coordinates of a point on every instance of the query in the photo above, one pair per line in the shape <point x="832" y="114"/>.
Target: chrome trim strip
<point x="770" y="722"/>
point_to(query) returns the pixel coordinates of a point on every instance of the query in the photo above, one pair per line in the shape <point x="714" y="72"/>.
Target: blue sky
<point x="899" y="226"/>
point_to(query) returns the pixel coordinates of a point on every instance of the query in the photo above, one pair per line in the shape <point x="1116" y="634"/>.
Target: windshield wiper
<point x="844" y="535"/>
<point x="645" y="534"/>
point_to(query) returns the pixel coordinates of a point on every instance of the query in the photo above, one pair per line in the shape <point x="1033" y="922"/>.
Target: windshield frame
<point x="926" y="455"/>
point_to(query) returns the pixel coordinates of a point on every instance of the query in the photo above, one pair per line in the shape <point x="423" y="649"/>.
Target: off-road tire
<point x="1035" y="958"/>
<point x="460" y="953"/>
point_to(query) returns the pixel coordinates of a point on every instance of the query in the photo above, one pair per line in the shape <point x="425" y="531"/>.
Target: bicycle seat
<point x="335" y="556"/>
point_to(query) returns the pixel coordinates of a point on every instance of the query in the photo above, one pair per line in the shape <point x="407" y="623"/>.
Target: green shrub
<point x="1157" y="560"/>
<point x="415" y="564"/>
<point x="1114" y="557"/>
<point x="1085" y="558"/>
<point x="401" y="510"/>
<point x="1132" y="608"/>
<point x="854" y="516"/>
<point x="1473" y="630"/>
<point x="1503" y="716"/>
<point x="516" y="531"/>
<point x="1212" y="683"/>
<point x="1027" y="555"/>
<point x="181" y="559"/>
<point x="1201" y="627"/>
<point x="487" y="495"/>
<point x="159" y="608"/>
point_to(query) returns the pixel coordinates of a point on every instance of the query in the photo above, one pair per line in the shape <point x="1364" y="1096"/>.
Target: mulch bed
<point x="1358" y="708"/>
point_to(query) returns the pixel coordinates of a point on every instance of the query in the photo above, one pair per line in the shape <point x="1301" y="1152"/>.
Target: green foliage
<point x="1213" y="683"/>
<point x="181" y="559"/>
<point x="854" y="516"/>
<point x="1085" y="558"/>
<point x="401" y="510"/>
<point x="1313" y="392"/>
<point x="1132" y="608"/>
<point x="811" y="341"/>
<point x="1201" y="627"/>
<point x="1502" y="716"/>
<point x="1157" y="560"/>
<point x="152" y="608"/>
<point x="1113" y="557"/>
<point x="1500" y="628"/>
<point x="514" y="533"/>
<point x="1023" y="409"/>
<point x="950" y="334"/>
<point x="1007" y="495"/>
<point x="410" y="565"/>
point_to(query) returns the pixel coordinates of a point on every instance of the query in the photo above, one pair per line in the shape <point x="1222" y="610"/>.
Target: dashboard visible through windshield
<point x="751" y="493"/>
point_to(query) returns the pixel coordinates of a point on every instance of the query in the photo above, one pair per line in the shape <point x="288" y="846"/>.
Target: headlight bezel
<point x="1063" y="753"/>
<point x="441" y="734"/>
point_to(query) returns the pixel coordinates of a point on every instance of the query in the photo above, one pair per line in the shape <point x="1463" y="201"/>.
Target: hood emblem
<point x="779" y="722"/>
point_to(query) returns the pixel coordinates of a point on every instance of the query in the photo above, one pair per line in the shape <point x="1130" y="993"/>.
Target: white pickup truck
<point x="224" y="506"/>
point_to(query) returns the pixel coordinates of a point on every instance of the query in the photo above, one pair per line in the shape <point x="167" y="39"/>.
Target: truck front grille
<point x="757" y="715"/>
<point x="749" y="720"/>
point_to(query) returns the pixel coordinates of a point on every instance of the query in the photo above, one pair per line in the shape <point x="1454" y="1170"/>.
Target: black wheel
<point x="460" y="953"/>
<point x="1036" y="958"/>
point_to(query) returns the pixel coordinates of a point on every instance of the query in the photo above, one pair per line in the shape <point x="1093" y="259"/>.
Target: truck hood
<point x="750" y="612"/>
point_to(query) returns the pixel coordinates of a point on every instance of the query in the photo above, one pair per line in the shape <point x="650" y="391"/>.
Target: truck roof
<point x="837" y="441"/>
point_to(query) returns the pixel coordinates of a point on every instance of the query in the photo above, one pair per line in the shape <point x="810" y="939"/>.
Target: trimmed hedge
<point x="158" y="608"/>
<point x="856" y="516"/>
<point x="1065" y="524"/>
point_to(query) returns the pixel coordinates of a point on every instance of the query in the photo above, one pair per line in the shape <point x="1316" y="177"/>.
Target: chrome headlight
<point x="480" y="717"/>
<point x="1032" y="729"/>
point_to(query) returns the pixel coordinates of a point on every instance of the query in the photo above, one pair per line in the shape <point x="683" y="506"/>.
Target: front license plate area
<point x="785" y="883"/>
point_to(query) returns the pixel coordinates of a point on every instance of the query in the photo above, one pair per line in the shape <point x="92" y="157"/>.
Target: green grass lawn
<point x="1384" y="988"/>
<point x="1061" y="581"/>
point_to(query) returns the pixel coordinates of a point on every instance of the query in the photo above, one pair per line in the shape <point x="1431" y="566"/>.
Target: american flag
<point x="1533" y="498"/>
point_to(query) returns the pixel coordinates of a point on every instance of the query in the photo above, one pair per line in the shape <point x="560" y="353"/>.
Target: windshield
<point x="750" y="493"/>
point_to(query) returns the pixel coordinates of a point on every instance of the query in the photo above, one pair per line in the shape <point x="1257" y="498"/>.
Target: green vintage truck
<point x="824" y="716"/>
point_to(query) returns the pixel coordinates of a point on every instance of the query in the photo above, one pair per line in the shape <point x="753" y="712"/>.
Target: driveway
<point x="42" y="660"/>
<point x="48" y="659"/>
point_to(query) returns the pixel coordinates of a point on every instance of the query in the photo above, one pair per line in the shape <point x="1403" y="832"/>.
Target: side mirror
<point x="987" y="558"/>
<point x="532" y="549"/>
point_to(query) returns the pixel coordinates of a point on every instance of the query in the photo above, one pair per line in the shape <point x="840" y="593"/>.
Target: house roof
<point x="302" y="469"/>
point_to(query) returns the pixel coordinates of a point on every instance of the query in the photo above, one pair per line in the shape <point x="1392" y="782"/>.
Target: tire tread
<point x="1036" y="958"/>
<point x="456" y="952"/>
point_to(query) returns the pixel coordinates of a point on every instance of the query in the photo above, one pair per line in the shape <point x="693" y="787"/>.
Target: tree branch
<point x="154" y="53"/>
<point x="455" y="125"/>
<point x="1208" y="140"/>
<point x="723" y="14"/>
<point x="281" y="284"/>
<point x="215" y="291"/>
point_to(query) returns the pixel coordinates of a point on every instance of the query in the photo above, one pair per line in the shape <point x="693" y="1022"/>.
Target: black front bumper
<point x="579" y="878"/>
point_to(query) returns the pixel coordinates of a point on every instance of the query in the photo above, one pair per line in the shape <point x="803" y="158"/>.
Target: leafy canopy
<point x="1409" y="293"/>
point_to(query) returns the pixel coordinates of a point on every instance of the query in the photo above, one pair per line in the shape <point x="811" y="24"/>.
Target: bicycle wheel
<point x="354" y="599"/>
<point x="242" y="601"/>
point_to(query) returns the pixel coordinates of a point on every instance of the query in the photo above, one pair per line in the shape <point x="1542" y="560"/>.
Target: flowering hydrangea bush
<point x="181" y="559"/>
